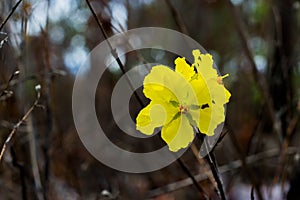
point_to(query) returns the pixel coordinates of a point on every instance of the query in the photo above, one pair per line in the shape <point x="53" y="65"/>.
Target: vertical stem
<point x="212" y="163"/>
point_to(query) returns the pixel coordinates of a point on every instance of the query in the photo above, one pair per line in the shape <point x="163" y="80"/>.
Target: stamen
<point x="220" y="78"/>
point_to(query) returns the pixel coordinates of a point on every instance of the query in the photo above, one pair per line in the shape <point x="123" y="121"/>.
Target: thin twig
<point x="15" y="82"/>
<point x="114" y="52"/>
<point x="194" y="181"/>
<point x="115" y="55"/>
<point x="10" y="14"/>
<point x="9" y="125"/>
<point x="138" y="55"/>
<point x="17" y="125"/>
<point x="220" y="139"/>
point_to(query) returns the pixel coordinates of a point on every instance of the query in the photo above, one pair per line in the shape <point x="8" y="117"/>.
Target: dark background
<point x="255" y="41"/>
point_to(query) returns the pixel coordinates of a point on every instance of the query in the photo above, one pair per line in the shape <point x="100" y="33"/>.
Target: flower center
<point x="183" y="109"/>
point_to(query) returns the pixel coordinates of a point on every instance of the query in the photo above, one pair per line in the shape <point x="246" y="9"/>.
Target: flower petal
<point x="201" y="90"/>
<point x="184" y="69"/>
<point x="210" y="118"/>
<point x="218" y="92"/>
<point x="204" y="65"/>
<point x="154" y="115"/>
<point x="227" y="95"/>
<point x="158" y="85"/>
<point x="164" y="85"/>
<point x="178" y="134"/>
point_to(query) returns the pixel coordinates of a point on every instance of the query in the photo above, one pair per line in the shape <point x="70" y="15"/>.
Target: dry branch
<point x="17" y="125"/>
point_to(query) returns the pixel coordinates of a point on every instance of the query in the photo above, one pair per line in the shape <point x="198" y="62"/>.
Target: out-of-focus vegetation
<point x="255" y="41"/>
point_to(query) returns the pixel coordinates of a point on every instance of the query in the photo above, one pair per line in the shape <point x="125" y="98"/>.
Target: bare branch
<point x="17" y="125"/>
<point x="10" y="14"/>
<point x="114" y="53"/>
<point x="210" y="159"/>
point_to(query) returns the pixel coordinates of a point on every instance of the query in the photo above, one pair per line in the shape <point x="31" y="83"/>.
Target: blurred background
<point x="45" y="42"/>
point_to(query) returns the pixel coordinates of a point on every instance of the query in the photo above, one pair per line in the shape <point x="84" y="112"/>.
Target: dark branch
<point x="10" y="14"/>
<point x="210" y="159"/>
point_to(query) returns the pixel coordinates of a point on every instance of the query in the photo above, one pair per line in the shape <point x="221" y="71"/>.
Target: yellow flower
<point x="191" y="96"/>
